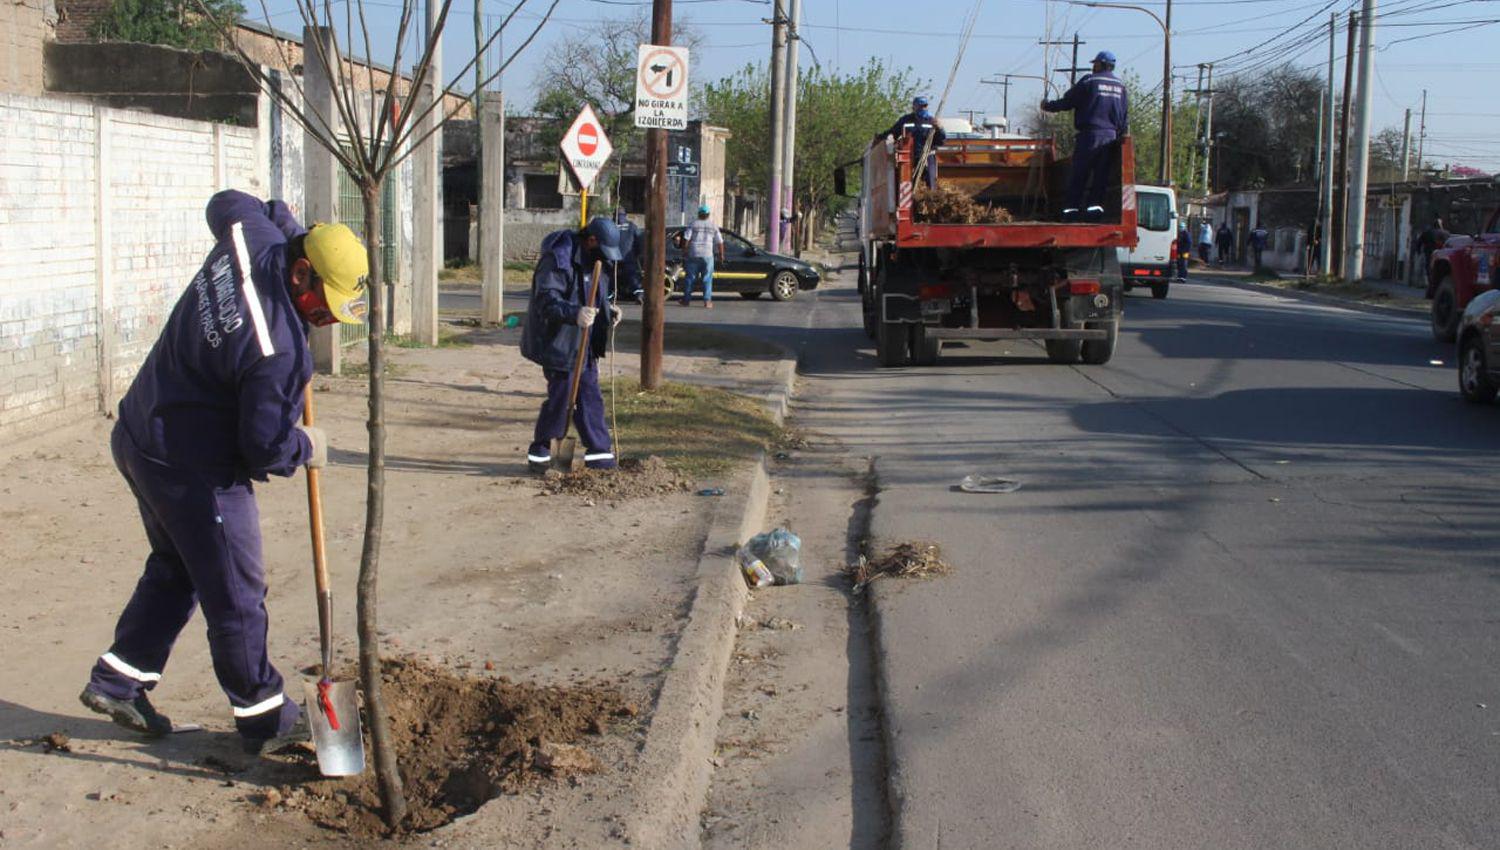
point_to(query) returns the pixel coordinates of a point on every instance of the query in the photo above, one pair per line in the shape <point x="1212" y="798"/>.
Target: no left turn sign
<point x="661" y="87"/>
<point x="585" y="148"/>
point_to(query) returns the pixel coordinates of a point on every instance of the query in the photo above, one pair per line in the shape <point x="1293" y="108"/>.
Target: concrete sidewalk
<point x="1384" y="297"/>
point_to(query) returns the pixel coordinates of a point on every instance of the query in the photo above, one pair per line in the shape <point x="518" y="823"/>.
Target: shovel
<point x="565" y="449"/>
<point x="332" y="707"/>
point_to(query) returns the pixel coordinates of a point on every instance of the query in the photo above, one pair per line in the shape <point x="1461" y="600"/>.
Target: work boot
<point x="1094" y="214"/>
<point x="136" y="715"/>
<point x="300" y="733"/>
<point x="1070" y="214"/>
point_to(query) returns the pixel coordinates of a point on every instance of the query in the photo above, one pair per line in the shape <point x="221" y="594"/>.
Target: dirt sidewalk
<point x="483" y="575"/>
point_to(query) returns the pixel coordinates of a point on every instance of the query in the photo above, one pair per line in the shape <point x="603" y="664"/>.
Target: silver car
<point x="1479" y="349"/>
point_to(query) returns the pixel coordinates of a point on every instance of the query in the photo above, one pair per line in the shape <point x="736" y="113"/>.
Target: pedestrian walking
<point x="1258" y="240"/>
<point x="216" y="406"/>
<point x="1100" y="117"/>
<point x="1182" y="251"/>
<point x="558" y="320"/>
<point x="703" y="242"/>
<point x="919" y="123"/>
<point x="1205" y="241"/>
<point x="1224" y="241"/>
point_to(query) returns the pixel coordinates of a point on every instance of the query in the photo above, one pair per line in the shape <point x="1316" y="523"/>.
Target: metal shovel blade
<point x="565" y="455"/>
<point x="341" y="751"/>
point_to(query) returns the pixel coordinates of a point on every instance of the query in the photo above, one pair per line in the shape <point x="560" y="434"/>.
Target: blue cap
<point x="1106" y="57"/>
<point x="703" y="209"/>
<point x="608" y="235"/>
<point x="919" y="100"/>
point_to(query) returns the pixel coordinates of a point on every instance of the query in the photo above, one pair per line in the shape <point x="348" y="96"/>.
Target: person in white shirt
<point x="704" y="242"/>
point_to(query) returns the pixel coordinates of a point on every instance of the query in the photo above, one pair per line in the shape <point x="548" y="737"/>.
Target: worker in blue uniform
<point x="627" y="272"/>
<point x="1101" y="111"/>
<point x="919" y="123"/>
<point x="216" y="406"/>
<point x="558" y="320"/>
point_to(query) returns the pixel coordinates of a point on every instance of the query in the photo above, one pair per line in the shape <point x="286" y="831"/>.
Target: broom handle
<point x="583" y="349"/>
<point x="320" y="553"/>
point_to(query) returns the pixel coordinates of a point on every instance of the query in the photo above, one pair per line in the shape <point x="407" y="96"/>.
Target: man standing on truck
<point x="918" y="123"/>
<point x="1100" y="117"/>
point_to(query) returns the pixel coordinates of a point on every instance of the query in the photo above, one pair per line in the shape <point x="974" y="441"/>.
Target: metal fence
<point x="352" y="213"/>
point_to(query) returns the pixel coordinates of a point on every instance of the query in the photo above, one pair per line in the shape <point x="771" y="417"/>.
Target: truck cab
<point x="1458" y="272"/>
<point x="1150" y="262"/>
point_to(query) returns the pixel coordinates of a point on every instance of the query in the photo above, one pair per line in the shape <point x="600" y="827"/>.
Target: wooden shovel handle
<point x="583" y="349"/>
<point x="319" y="549"/>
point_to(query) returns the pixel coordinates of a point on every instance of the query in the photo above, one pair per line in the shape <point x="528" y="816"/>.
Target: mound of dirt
<point x="460" y="741"/>
<point x="633" y="479"/>
<point x="950" y="206"/>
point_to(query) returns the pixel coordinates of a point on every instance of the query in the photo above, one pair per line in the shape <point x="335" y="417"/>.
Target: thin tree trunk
<point x="387" y="771"/>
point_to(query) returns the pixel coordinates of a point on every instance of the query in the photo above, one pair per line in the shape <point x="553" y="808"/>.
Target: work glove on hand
<point x="616" y="316"/>
<point x="586" y="316"/>
<point x="319" y="439"/>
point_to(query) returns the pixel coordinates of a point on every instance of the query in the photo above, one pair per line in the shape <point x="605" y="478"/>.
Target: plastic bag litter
<point x="775" y="555"/>
<point x="988" y="484"/>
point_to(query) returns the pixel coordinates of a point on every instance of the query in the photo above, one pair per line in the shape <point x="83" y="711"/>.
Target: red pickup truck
<point x="1460" y="270"/>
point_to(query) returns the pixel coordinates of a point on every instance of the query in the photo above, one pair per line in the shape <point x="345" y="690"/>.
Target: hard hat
<point x="703" y="209"/>
<point x="339" y="258"/>
<point x="1106" y="57"/>
<point x="608" y="235"/>
<point x="919" y="101"/>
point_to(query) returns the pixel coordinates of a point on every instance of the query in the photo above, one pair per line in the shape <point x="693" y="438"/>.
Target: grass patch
<point x="700" y="431"/>
<point x="472" y="274"/>
<point x="448" y="337"/>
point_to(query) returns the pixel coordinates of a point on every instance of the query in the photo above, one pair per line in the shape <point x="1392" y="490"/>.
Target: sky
<point x="1443" y="46"/>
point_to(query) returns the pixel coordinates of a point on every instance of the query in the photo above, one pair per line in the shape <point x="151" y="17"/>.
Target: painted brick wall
<point x="78" y="287"/>
<point x="24" y="25"/>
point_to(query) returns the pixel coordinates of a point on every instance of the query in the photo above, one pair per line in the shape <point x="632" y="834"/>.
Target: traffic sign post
<point x="661" y="90"/>
<point x="585" y="149"/>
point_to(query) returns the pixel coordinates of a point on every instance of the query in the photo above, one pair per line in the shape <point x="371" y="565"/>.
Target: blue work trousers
<point x="1093" y="158"/>
<point x="588" y="417"/>
<point x="699" y="269"/>
<point x="205" y="550"/>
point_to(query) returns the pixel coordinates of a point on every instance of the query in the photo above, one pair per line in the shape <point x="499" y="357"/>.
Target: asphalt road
<point x="1247" y="596"/>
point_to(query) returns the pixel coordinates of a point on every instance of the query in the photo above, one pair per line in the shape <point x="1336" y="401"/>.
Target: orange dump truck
<point x="1030" y="276"/>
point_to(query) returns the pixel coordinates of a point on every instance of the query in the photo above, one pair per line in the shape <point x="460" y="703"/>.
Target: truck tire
<point x="892" y="344"/>
<point x="1159" y="290"/>
<point x="1445" y="312"/>
<point x="863" y="281"/>
<point x="1064" y="351"/>
<point x="1097" y="352"/>
<point x="925" y="348"/>
<point x="1474" y="382"/>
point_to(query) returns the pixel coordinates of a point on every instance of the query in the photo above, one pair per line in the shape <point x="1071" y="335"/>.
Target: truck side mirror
<point x="840" y="182"/>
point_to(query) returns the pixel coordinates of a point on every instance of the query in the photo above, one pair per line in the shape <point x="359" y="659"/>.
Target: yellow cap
<point x="339" y="259"/>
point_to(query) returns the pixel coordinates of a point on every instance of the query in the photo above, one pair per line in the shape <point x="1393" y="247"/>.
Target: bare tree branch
<point x="408" y="7"/>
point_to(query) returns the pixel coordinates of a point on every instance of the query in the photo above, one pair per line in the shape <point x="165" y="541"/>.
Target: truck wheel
<point x="864" y="275"/>
<point x="784" y="287"/>
<point x="925" y="348"/>
<point x="1098" y="351"/>
<point x="1474" y="382"/>
<point x="1445" y="312"/>
<point x="892" y="344"/>
<point x="1159" y="290"/>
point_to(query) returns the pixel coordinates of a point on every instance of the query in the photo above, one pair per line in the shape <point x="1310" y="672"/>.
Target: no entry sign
<point x="585" y="148"/>
<point x="661" y="89"/>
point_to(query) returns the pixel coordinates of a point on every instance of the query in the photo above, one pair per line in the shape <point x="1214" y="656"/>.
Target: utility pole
<point x="1406" y="148"/>
<point x="1208" y="132"/>
<point x="778" y="126"/>
<point x="478" y="58"/>
<point x="1354" y="250"/>
<point x="1197" y="128"/>
<point x="1004" y="83"/>
<point x="789" y="116"/>
<point x="1166" y="97"/>
<point x="1422" y="133"/>
<point x="1325" y="189"/>
<point x="1072" y="71"/>
<point x="653" y="324"/>
<point x="1341" y="195"/>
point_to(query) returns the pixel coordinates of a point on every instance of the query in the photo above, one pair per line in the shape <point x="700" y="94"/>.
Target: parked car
<point x="1149" y="263"/>
<point x="746" y="269"/>
<point x="1459" y="271"/>
<point x="1479" y="349"/>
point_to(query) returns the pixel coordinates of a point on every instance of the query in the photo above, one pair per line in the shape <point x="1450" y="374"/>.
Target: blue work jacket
<point x="221" y="390"/>
<point x="559" y="286"/>
<point x="1099" y="103"/>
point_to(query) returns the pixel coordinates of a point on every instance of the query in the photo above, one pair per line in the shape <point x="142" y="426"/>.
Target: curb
<point x="1317" y="298"/>
<point x="675" y="767"/>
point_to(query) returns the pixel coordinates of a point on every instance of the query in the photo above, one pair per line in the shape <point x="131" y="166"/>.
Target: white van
<point x="1150" y="262"/>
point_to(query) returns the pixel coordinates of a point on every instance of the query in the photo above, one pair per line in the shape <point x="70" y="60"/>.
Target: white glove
<point x="616" y="316"/>
<point x="586" y="316"/>
<point x="315" y="435"/>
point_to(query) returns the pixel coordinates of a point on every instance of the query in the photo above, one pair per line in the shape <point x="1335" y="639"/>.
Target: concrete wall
<point x="24" y="26"/>
<point x="101" y="225"/>
<point x="201" y="84"/>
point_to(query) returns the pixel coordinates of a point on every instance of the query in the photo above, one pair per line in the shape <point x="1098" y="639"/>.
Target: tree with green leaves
<point x="837" y="114"/>
<point x="175" y="23"/>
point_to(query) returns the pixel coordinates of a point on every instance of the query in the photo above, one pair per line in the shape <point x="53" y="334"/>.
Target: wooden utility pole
<point x="653" y="314"/>
<point x="1421" y="134"/>
<point x="1208" y="132"/>
<point x="1166" y="98"/>
<point x="1325" y="189"/>
<point x="1341" y="193"/>
<point x="1197" y="129"/>
<point x="777" y="128"/>
<point x="1072" y="71"/>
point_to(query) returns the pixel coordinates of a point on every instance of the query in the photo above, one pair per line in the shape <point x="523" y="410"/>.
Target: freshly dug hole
<point x="461" y="741"/>
<point x="634" y="479"/>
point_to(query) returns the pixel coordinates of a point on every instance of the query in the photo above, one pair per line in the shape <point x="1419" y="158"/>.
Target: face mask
<point x="314" y="309"/>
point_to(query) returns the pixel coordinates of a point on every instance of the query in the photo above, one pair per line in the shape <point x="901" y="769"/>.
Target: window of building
<point x="541" y="192"/>
<point x="633" y="194"/>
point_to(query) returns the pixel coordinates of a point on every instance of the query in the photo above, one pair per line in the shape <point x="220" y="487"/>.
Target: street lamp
<point x="1164" y="159"/>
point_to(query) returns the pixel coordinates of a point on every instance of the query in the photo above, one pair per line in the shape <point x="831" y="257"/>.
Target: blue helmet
<point x="920" y="101"/>
<point x="703" y="209"/>
<point x="608" y="235"/>
<point x="1106" y="57"/>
